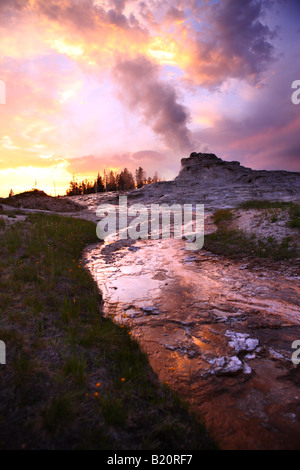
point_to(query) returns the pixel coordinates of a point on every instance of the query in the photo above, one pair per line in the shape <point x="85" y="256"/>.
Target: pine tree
<point x="99" y="184"/>
<point x="140" y="177"/>
<point x="128" y="180"/>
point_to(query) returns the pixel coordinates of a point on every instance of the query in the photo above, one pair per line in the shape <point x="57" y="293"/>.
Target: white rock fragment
<point x="219" y="361"/>
<point x="247" y="369"/>
<point x="250" y="356"/>
<point x="241" y="341"/>
<point x="225" y="365"/>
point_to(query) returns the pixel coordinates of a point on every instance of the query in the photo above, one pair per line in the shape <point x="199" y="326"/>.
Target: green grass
<point x="222" y="215"/>
<point x="264" y="204"/>
<point x="114" y="410"/>
<point x="59" y="413"/>
<point x="73" y="379"/>
<point x="236" y="243"/>
<point x="292" y="207"/>
<point x="75" y="366"/>
<point x="294" y="216"/>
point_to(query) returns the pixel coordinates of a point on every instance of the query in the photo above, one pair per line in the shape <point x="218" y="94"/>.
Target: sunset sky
<point x="94" y="84"/>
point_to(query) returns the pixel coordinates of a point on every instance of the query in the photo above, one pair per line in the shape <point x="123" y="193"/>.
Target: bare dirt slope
<point x="40" y="200"/>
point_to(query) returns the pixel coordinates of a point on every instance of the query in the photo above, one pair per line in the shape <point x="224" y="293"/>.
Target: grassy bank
<point x="236" y="243"/>
<point x="292" y="208"/>
<point x="72" y="379"/>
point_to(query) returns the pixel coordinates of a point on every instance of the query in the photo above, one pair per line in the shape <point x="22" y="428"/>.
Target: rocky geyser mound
<point x="206" y="179"/>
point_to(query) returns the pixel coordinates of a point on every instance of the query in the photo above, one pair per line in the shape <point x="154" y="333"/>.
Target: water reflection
<point x="217" y="332"/>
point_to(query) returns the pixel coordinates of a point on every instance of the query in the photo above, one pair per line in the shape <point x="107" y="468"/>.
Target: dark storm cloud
<point x="234" y="42"/>
<point x="141" y="88"/>
<point x="242" y="33"/>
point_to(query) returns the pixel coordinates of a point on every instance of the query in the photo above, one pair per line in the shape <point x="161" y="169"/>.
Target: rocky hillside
<point x="205" y="178"/>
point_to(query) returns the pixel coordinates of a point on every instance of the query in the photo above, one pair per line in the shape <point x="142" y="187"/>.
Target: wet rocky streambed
<point x="220" y="333"/>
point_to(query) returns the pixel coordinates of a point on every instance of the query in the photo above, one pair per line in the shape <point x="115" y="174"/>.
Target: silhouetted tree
<point x="140" y="177"/>
<point x="125" y="180"/>
<point x="112" y="185"/>
<point x="99" y="184"/>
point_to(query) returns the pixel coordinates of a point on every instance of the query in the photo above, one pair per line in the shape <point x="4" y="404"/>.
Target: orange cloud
<point x="59" y="47"/>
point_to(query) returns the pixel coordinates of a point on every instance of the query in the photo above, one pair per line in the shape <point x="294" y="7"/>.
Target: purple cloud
<point x="233" y="41"/>
<point x="141" y="89"/>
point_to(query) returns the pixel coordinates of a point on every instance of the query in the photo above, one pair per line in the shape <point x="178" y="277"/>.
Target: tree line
<point x="112" y="181"/>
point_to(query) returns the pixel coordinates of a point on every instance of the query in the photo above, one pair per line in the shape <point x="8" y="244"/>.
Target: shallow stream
<point x="218" y="332"/>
